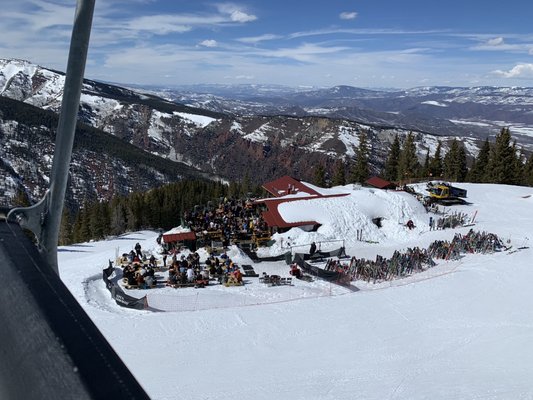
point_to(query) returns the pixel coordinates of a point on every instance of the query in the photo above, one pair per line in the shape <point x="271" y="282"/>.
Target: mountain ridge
<point x="228" y="143"/>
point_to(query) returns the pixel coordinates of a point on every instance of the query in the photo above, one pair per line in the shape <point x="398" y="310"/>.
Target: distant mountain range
<point x="456" y="111"/>
<point x="136" y="138"/>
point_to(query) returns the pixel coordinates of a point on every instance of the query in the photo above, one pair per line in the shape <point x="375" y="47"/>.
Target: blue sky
<point x="366" y="43"/>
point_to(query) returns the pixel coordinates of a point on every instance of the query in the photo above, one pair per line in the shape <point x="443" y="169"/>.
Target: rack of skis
<point x="416" y="259"/>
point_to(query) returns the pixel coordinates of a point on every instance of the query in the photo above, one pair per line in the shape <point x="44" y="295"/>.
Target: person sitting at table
<point x="149" y="281"/>
<point x="140" y="281"/>
<point x="172" y="277"/>
<point x="129" y="274"/>
<point x="238" y="275"/>
<point x="190" y="274"/>
<point x="212" y="270"/>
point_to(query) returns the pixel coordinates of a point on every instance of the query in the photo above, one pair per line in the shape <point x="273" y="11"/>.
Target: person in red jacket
<point x="238" y="275"/>
<point x="295" y="271"/>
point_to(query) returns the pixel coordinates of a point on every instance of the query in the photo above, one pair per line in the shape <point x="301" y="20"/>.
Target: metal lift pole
<point x="44" y="218"/>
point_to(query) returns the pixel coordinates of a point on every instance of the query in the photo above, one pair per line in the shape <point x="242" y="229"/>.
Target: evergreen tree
<point x="455" y="168"/>
<point x="528" y="171"/>
<point x="76" y="228"/>
<point x="65" y="229"/>
<point x="501" y="168"/>
<point x="117" y="216"/>
<point x="479" y="170"/>
<point x="320" y="176"/>
<point x="391" y="165"/>
<point x="245" y="185"/>
<point x="84" y="229"/>
<point x="233" y="190"/>
<point x="339" y="175"/>
<point x="435" y="165"/>
<point x="408" y="164"/>
<point x="96" y="221"/>
<point x="518" y="167"/>
<point x="424" y="171"/>
<point x="462" y="168"/>
<point x="132" y="218"/>
<point x="360" y="170"/>
<point x="153" y="201"/>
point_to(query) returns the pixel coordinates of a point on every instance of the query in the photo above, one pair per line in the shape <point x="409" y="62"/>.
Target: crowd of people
<point x="139" y="271"/>
<point x="231" y="220"/>
<point x="189" y="271"/>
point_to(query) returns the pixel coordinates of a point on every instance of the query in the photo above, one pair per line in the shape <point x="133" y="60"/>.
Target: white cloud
<point x="235" y="12"/>
<point x="209" y="43"/>
<point x="261" y="38"/>
<point x="495" y="41"/>
<point x="239" y="16"/>
<point x="348" y="15"/>
<point x="518" y="71"/>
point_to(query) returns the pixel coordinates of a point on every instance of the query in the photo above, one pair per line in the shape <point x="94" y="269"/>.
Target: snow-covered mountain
<point x="232" y="138"/>
<point x="456" y="111"/>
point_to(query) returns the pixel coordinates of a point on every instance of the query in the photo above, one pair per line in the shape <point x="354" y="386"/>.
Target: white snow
<point x="459" y="330"/>
<point x="176" y="230"/>
<point x="434" y="103"/>
<point x="259" y="135"/>
<point x="348" y="136"/>
<point x="236" y="127"/>
<point x="199" y="120"/>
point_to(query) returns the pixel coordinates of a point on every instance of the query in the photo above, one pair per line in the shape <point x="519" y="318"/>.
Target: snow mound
<point x="363" y="209"/>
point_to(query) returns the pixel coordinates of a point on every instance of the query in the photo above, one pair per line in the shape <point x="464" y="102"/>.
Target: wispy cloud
<point x="148" y="40"/>
<point x="307" y="52"/>
<point x="260" y="38"/>
<point x="370" y="32"/>
<point x="348" y="15"/>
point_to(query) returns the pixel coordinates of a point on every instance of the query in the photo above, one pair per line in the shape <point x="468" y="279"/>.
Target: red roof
<point x="178" y="237"/>
<point x="380" y="183"/>
<point x="273" y="218"/>
<point x="287" y="185"/>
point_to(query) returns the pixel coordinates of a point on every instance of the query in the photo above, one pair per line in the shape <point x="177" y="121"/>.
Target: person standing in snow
<point x="312" y="249"/>
<point x="138" y="250"/>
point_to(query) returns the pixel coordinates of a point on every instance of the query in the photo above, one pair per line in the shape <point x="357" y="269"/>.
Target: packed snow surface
<point x="460" y="330"/>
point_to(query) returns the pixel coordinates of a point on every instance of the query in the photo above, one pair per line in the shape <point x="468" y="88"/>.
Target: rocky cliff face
<point x="102" y="165"/>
